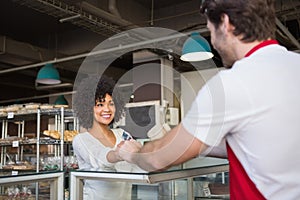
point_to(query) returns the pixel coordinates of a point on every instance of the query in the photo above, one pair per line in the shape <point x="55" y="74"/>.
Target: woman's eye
<point x="99" y="105"/>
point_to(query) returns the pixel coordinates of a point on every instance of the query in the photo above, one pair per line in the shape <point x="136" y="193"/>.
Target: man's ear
<point x="226" y="26"/>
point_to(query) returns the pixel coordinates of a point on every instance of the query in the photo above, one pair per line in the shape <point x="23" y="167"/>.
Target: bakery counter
<point x="32" y="185"/>
<point x="187" y="172"/>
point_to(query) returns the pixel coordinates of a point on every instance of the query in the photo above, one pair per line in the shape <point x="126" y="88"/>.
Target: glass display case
<point x="198" y="178"/>
<point x="32" y="185"/>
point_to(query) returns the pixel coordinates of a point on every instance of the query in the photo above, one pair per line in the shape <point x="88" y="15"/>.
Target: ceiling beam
<point x="287" y="33"/>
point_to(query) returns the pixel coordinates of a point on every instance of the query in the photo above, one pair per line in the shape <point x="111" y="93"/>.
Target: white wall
<point x="191" y="83"/>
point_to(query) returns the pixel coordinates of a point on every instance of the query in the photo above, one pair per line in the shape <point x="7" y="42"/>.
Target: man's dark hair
<point x="252" y="19"/>
<point x="93" y="89"/>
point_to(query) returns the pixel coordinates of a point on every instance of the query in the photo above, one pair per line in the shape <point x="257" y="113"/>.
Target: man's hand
<point x="128" y="150"/>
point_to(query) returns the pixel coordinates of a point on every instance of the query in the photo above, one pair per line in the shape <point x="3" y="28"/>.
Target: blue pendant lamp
<point x="196" y="48"/>
<point x="61" y="101"/>
<point x="48" y="75"/>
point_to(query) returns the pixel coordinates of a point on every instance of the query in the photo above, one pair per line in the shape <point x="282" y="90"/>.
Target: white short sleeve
<point x="206" y="116"/>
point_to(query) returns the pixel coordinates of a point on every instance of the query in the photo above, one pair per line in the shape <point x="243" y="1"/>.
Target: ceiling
<point x="34" y="32"/>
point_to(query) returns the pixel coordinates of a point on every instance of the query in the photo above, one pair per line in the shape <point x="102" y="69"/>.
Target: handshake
<point x="152" y="156"/>
<point x="128" y="148"/>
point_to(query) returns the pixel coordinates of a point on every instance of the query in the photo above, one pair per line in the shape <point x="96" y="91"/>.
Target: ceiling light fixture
<point x="48" y="75"/>
<point x="196" y="48"/>
<point x="61" y="101"/>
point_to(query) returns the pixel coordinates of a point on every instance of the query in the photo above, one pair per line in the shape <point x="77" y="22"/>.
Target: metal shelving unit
<point x="59" y="115"/>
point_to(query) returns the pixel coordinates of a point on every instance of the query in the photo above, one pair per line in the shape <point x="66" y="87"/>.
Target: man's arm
<point x="176" y="147"/>
<point x="219" y="151"/>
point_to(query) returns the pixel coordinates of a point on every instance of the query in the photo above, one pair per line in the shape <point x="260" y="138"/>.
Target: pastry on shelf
<point x="19" y="165"/>
<point x="32" y="106"/>
<point x="69" y="135"/>
<point x="46" y="106"/>
<point x="2" y="111"/>
<point x="22" y="111"/>
<point x="13" y="108"/>
<point x="59" y="106"/>
<point x="52" y="133"/>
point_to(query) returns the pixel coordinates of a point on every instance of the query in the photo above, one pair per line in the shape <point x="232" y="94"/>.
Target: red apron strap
<point x="241" y="186"/>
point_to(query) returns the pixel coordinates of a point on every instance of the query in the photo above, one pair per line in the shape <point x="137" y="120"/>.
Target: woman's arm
<point x="113" y="157"/>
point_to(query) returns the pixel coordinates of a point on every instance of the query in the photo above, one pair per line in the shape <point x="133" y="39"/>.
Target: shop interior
<point x="139" y="44"/>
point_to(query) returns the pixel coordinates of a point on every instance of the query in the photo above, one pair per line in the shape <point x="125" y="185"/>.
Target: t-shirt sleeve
<point x="223" y="106"/>
<point x="205" y="118"/>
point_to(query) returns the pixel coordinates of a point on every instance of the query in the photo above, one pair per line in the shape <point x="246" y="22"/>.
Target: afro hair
<point x="92" y="89"/>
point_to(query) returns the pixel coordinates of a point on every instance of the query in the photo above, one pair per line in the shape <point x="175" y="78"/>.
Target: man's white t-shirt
<point x="255" y="107"/>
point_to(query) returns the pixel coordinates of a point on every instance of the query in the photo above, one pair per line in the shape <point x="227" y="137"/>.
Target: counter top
<point x="193" y="168"/>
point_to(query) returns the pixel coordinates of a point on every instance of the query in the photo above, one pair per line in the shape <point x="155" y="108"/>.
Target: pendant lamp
<point x="61" y="101"/>
<point x="48" y="75"/>
<point x="196" y="48"/>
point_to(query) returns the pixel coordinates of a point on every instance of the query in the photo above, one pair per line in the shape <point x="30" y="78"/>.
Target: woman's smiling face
<point x="104" y="110"/>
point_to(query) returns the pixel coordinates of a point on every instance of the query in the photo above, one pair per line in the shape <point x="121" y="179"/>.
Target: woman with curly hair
<point x="97" y="104"/>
